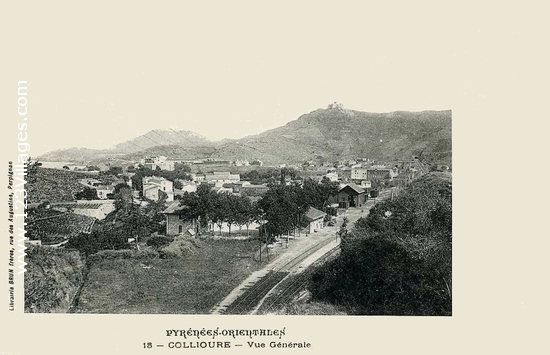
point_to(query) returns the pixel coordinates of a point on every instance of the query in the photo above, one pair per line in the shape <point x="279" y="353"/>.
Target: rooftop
<point x="355" y="188"/>
<point x="174" y="208"/>
<point x="312" y="213"/>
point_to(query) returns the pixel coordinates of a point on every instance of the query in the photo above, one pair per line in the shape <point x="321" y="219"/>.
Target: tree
<point x="244" y="214"/>
<point x="282" y="206"/>
<point x="120" y="186"/>
<point x="140" y="173"/>
<point x="232" y="209"/>
<point x="114" y="170"/>
<point x="87" y="193"/>
<point x="247" y="213"/>
<point x="99" y="239"/>
<point x="200" y="206"/>
<point x="317" y="194"/>
<point x="123" y="196"/>
<point x="219" y="211"/>
<point x="327" y="189"/>
<point x="182" y="171"/>
<point x="32" y="170"/>
<point x="398" y="259"/>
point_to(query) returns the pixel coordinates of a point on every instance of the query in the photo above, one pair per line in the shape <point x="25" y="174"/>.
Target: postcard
<point x="237" y="176"/>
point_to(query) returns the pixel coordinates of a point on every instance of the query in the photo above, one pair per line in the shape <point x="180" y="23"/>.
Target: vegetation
<point x="52" y="279"/>
<point x="190" y="284"/>
<point x="53" y="185"/>
<point x="51" y="226"/>
<point x="209" y="208"/>
<point x="100" y="239"/>
<point x="312" y="309"/>
<point x="284" y="206"/>
<point x="159" y="241"/>
<point x="87" y="193"/>
<point x="128" y="220"/>
<point x="181" y="171"/>
<point x="325" y="133"/>
<point x="398" y="260"/>
<point x="268" y="175"/>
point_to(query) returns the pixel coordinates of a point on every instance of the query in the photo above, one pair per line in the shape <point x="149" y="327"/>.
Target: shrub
<point x="180" y="247"/>
<point x="397" y="260"/>
<point x="52" y="279"/>
<point x="159" y="241"/>
<point x="146" y="253"/>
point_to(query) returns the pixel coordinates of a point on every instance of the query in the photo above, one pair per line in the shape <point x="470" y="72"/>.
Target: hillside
<point x="52" y="280"/>
<point x="324" y="134"/>
<point x="79" y="155"/>
<point x="163" y="137"/>
<point x="336" y="133"/>
<point x="54" y="185"/>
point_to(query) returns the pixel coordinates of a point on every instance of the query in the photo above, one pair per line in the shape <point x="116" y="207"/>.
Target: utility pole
<point x="260" y="240"/>
<point x="267" y="247"/>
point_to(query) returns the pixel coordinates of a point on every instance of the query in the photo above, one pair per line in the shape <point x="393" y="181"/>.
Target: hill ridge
<point x="325" y="134"/>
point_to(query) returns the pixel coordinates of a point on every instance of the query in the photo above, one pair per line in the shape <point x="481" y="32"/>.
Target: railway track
<point x="288" y="289"/>
<point x="252" y="296"/>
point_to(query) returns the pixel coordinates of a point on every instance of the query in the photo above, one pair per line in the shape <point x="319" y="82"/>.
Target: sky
<point x="102" y="73"/>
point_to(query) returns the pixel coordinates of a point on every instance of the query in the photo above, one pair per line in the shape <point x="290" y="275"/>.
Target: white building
<point x="365" y="184"/>
<point x="162" y="162"/>
<point x="220" y="178"/>
<point x="332" y="176"/>
<point x="152" y="185"/>
<point x="359" y="174"/>
<point x="241" y="162"/>
<point x="197" y="177"/>
<point x="188" y="186"/>
<point x="104" y="190"/>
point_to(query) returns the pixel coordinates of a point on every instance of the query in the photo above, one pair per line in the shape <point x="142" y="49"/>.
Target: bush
<point x="379" y="278"/>
<point x="332" y="211"/>
<point x="52" y="279"/>
<point x="159" y="241"/>
<point x="180" y="247"/>
<point x="397" y="260"/>
<point x="123" y="254"/>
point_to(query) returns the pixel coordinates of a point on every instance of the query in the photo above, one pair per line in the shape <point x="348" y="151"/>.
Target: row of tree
<point x="208" y="208"/>
<point x="285" y="205"/>
<point x="280" y="210"/>
<point x="269" y="175"/>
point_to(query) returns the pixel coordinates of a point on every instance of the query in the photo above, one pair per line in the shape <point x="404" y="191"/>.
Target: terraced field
<point x="55" y="185"/>
<point x="54" y="226"/>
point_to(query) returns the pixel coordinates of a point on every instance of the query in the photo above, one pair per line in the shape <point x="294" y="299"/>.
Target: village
<point x="354" y="182"/>
<point x="233" y="237"/>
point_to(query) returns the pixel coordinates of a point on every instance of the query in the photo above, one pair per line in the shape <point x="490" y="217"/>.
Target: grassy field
<point x="191" y="284"/>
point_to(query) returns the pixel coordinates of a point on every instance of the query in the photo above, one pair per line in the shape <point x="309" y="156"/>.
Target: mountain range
<point x="327" y="134"/>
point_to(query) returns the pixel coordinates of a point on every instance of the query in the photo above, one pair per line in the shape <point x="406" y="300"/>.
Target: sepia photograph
<point x="236" y="176"/>
<point x="338" y="212"/>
